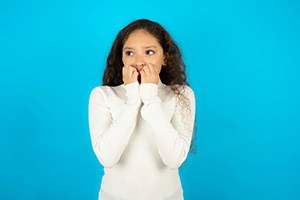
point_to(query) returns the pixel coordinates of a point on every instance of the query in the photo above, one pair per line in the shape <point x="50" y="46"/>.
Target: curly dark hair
<point x="172" y="73"/>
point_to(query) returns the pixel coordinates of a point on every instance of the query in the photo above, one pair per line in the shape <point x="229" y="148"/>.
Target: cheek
<point x="126" y="60"/>
<point x="158" y="64"/>
<point x="159" y="61"/>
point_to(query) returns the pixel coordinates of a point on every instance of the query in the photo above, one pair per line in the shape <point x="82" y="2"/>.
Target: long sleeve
<point x="110" y="136"/>
<point x="173" y="137"/>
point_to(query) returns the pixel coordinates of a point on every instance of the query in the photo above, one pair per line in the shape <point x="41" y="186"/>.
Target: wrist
<point x="132" y="93"/>
<point x="149" y="92"/>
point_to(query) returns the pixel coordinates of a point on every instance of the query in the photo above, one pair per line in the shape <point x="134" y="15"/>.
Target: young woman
<point x="142" y="118"/>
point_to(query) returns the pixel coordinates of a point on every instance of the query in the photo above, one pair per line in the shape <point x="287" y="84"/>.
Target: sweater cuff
<point x="132" y="93"/>
<point x="148" y="93"/>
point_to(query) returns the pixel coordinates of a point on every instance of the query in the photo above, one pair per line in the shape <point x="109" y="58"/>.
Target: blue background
<point x="242" y="61"/>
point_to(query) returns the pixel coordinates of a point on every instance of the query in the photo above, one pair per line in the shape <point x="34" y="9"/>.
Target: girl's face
<point x="140" y="49"/>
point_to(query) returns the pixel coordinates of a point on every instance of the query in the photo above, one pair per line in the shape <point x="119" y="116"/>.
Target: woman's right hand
<point x="130" y="74"/>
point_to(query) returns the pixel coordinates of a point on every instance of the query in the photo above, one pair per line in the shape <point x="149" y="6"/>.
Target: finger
<point x="132" y="70"/>
<point x="156" y="69"/>
<point x="146" y="69"/>
<point x="151" y="68"/>
<point x="143" y="74"/>
<point x="128" y="71"/>
<point x="135" y="74"/>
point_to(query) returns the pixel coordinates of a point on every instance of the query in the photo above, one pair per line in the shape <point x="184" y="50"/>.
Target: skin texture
<point x="143" y="58"/>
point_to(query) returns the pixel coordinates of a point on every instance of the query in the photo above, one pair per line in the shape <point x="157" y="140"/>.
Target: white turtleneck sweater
<point x="141" y="137"/>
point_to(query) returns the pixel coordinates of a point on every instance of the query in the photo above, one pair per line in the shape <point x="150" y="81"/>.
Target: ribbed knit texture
<point x="141" y="137"/>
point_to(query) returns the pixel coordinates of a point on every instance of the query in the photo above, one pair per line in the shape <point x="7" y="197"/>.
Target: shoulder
<point x="188" y="94"/>
<point x="183" y="89"/>
<point x="188" y="88"/>
<point x="104" y="92"/>
<point x="181" y="93"/>
<point x="186" y="91"/>
<point x="99" y="91"/>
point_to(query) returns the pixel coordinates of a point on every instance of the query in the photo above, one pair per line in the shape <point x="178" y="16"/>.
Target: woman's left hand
<point x="149" y="74"/>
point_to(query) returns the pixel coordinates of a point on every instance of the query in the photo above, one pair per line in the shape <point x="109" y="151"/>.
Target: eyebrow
<point x="145" y="47"/>
<point x="149" y="47"/>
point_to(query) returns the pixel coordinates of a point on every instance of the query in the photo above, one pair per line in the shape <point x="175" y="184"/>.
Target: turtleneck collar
<point x="160" y="84"/>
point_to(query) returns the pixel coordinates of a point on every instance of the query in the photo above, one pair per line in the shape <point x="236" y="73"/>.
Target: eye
<point x="128" y="53"/>
<point x="150" y="52"/>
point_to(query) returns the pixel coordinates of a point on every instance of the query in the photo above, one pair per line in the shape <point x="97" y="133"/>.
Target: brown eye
<point x="128" y="53"/>
<point x="150" y="52"/>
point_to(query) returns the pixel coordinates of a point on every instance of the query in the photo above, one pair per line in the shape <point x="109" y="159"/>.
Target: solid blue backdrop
<point x="242" y="61"/>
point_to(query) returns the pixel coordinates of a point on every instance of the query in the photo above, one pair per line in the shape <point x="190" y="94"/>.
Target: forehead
<point x="141" y="38"/>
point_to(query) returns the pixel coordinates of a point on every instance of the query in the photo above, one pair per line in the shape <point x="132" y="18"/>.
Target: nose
<point x="139" y="62"/>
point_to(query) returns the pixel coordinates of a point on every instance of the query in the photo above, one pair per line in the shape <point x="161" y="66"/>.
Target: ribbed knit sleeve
<point x="110" y="136"/>
<point x="173" y="137"/>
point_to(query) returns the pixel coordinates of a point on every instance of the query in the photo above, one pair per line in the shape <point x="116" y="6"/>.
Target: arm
<point x="173" y="137"/>
<point x="110" y="137"/>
